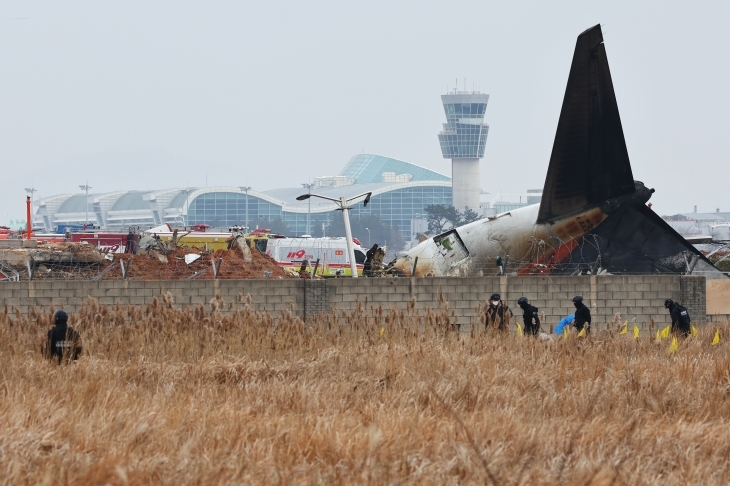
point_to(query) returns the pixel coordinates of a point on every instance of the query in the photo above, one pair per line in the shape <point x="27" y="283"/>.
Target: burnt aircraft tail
<point x="589" y="163"/>
<point x="634" y="239"/>
<point x="589" y="167"/>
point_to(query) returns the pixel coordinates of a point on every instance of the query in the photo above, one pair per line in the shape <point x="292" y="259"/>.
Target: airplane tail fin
<point x="589" y="162"/>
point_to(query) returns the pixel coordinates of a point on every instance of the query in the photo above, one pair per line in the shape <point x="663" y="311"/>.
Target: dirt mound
<point x="154" y="267"/>
<point x="74" y="261"/>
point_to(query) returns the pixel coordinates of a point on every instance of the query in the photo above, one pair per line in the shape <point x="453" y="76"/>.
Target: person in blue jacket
<point x="566" y="321"/>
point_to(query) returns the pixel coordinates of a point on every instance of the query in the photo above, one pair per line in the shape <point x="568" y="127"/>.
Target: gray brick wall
<point x="693" y="295"/>
<point x="639" y="297"/>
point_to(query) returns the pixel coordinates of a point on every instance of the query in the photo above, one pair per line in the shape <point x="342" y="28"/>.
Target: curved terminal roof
<point x="363" y="173"/>
<point x="74" y="204"/>
<point x="131" y="201"/>
<point x="369" y="168"/>
<point x="179" y="200"/>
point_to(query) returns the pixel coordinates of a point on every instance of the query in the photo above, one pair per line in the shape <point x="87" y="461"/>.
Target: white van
<point x="331" y="252"/>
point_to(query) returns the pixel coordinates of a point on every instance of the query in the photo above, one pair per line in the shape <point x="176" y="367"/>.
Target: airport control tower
<point x="462" y="140"/>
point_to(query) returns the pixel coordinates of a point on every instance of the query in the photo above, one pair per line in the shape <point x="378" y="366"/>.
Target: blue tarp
<point x="565" y="321"/>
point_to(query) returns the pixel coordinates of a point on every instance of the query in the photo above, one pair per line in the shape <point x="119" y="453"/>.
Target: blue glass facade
<point x="397" y="208"/>
<point x="219" y="209"/>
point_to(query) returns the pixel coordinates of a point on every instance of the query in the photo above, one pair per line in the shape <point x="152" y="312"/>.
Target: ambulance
<point x="331" y="253"/>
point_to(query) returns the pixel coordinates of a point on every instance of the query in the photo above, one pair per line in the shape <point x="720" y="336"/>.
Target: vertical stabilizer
<point x="589" y="162"/>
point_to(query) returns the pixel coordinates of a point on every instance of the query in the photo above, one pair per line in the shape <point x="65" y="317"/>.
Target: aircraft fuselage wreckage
<point x="593" y="216"/>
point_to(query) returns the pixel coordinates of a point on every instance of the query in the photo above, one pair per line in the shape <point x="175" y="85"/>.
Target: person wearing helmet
<point x="582" y="314"/>
<point x="63" y="341"/>
<point x="498" y="313"/>
<point x="680" y="318"/>
<point x="529" y="314"/>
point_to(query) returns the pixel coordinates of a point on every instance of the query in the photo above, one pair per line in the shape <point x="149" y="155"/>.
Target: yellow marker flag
<point x="666" y="331"/>
<point x="636" y="331"/>
<point x="382" y="331"/>
<point x="693" y="331"/>
<point x="566" y="332"/>
<point x="519" y="331"/>
<point x="658" y="336"/>
<point x="625" y="328"/>
<point x="716" y="339"/>
<point x="582" y="332"/>
<point x="674" y="346"/>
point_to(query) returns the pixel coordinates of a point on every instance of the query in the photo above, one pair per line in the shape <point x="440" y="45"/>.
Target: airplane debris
<point x="593" y="217"/>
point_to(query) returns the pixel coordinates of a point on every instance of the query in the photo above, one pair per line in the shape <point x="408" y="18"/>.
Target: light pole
<point x="343" y="205"/>
<point x="245" y="223"/>
<point x="368" y="230"/>
<point x="308" y="187"/>
<point x="31" y="191"/>
<point x="86" y="188"/>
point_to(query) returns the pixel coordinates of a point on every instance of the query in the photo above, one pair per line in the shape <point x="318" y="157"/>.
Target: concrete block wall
<point x="693" y="294"/>
<point x="640" y="297"/>
<point x="269" y="295"/>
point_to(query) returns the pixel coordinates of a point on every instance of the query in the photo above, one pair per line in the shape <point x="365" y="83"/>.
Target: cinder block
<point x="394" y="298"/>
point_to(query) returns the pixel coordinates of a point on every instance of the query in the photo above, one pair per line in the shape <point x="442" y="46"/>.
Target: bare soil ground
<point x="144" y="267"/>
<point x="84" y="262"/>
<point x="163" y="396"/>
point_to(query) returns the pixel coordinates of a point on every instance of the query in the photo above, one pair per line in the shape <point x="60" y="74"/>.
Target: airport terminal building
<point x="400" y="192"/>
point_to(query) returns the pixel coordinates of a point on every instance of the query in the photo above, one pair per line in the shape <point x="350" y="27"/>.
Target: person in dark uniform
<point x="582" y="314"/>
<point x="529" y="314"/>
<point x="498" y="314"/>
<point x="680" y="318"/>
<point x="130" y="246"/>
<point x="367" y="268"/>
<point x="63" y="342"/>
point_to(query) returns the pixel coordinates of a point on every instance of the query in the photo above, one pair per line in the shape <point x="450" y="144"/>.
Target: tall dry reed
<point x="201" y="396"/>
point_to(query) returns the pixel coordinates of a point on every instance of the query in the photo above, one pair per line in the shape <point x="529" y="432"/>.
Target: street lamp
<point x="343" y="205"/>
<point x="368" y="230"/>
<point x="31" y="190"/>
<point x="245" y="224"/>
<point x="308" y="187"/>
<point x="86" y="188"/>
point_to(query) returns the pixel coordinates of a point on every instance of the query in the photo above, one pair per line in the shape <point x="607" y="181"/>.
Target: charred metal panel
<point x="634" y="240"/>
<point x="589" y="162"/>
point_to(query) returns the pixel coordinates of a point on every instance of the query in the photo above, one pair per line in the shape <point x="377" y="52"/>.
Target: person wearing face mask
<point x="498" y="314"/>
<point x="582" y="314"/>
<point x="529" y="314"/>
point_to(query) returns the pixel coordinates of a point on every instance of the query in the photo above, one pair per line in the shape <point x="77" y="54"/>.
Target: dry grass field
<point x="164" y="396"/>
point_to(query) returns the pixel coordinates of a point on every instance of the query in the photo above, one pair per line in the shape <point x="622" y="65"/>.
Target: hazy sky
<point x="151" y="95"/>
